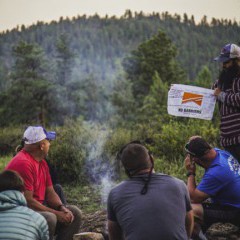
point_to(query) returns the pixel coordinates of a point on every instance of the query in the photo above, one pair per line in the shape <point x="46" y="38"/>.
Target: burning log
<point x="88" y="236"/>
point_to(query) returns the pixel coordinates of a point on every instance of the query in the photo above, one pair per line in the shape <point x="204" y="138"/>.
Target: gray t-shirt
<point x="159" y="214"/>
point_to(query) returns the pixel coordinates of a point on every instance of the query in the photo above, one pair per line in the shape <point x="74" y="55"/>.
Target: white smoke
<point x="99" y="168"/>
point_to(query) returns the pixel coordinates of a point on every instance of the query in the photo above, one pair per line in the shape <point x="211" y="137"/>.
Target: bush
<point x="170" y="142"/>
<point x="10" y="137"/>
<point x="84" y="152"/>
<point x="68" y="151"/>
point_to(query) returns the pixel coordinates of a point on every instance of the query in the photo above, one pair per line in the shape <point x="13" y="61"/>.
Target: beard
<point x="227" y="76"/>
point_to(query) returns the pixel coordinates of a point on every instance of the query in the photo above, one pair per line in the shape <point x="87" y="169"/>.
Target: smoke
<point x="98" y="166"/>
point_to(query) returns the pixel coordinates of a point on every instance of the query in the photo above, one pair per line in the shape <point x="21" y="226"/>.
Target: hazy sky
<point x="27" y="12"/>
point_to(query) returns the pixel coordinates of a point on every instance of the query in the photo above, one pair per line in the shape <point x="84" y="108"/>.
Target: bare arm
<point x="189" y="223"/>
<point x="114" y="230"/>
<point x="196" y="196"/>
<point x="63" y="214"/>
<point x="52" y="198"/>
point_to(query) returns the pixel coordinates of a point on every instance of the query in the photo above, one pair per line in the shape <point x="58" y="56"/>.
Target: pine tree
<point x="155" y="103"/>
<point x="27" y="100"/>
<point x="155" y="55"/>
<point x="204" y="78"/>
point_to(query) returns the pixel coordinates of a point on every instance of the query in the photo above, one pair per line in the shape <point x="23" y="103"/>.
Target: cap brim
<point x="221" y="59"/>
<point x="51" y="135"/>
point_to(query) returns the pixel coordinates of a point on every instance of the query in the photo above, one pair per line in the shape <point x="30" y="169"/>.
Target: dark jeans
<point x="214" y="213"/>
<point x="58" y="189"/>
<point x="234" y="150"/>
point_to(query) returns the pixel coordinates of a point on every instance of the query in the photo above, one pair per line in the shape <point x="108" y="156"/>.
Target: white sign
<point x="191" y="101"/>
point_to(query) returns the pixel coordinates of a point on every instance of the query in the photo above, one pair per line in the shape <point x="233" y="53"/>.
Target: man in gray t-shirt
<point x="148" y="205"/>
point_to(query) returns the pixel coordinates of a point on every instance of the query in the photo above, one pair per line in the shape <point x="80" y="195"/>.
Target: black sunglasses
<point x="188" y="151"/>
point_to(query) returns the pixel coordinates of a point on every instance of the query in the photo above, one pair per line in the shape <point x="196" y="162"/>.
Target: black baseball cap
<point x="197" y="147"/>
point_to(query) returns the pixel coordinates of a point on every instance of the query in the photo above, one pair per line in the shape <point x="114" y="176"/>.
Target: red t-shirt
<point x="35" y="174"/>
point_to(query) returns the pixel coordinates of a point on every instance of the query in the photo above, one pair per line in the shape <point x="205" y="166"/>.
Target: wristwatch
<point x="190" y="173"/>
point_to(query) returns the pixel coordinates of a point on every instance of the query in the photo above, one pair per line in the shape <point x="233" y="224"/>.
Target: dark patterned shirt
<point x="229" y="109"/>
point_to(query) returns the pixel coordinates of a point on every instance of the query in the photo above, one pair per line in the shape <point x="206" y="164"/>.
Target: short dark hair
<point x="135" y="157"/>
<point x="197" y="146"/>
<point x="11" y="180"/>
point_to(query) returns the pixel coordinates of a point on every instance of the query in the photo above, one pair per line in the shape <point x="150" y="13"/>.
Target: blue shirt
<point x="221" y="180"/>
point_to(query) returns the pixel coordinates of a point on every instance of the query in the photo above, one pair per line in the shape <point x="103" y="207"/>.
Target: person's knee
<point x="77" y="213"/>
<point x="51" y="218"/>
<point x="51" y="221"/>
<point x="197" y="211"/>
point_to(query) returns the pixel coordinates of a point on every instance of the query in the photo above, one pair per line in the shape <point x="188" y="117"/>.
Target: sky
<point x="28" y="12"/>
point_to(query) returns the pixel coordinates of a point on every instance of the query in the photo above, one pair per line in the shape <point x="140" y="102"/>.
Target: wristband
<point x="190" y="173"/>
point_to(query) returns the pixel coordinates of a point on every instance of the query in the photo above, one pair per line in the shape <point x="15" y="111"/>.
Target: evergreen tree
<point x="123" y="100"/>
<point x="64" y="60"/>
<point x="204" y="78"/>
<point x="155" y="55"/>
<point x="155" y="103"/>
<point x="27" y="100"/>
<point x="4" y="79"/>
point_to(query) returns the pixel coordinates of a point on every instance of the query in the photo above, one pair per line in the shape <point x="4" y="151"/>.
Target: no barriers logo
<point x="192" y="97"/>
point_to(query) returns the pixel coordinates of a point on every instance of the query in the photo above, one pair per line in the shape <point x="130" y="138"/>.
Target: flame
<point x="192" y="97"/>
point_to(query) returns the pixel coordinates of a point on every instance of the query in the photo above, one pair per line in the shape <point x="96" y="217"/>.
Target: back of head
<point x="11" y="180"/>
<point x="135" y="157"/>
<point x="197" y="146"/>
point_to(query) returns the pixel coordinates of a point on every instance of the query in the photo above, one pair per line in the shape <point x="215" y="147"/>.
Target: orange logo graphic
<point x="192" y="97"/>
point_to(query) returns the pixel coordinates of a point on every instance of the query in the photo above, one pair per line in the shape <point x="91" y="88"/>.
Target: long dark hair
<point x="227" y="75"/>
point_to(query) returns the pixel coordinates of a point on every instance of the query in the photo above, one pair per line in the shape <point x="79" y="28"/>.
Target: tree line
<point x="79" y="67"/>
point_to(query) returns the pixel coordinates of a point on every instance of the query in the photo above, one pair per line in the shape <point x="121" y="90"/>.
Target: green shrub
<point x="10" y="137"/>
<point x="68" y="151"/>
<point x="169" y="143"/>
<point x="175" y="168"/>
<point x="4" y="161"/>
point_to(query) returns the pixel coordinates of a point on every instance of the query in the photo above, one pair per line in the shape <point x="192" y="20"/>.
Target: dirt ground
<point x="96" y="222"/>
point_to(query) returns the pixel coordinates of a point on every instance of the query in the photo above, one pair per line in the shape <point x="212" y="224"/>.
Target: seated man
<point x="17" y="221"/>
<point x="53" y="173"/>
<point x="148" y="205"/>
<point x="30" y="164"/>
<point x="220" y="183"/>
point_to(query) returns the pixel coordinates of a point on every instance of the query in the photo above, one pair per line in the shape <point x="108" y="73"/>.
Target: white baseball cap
<point x="34" y="134"/>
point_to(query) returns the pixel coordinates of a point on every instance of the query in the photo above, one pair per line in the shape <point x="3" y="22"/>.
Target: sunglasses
<point x="188" y="151"/>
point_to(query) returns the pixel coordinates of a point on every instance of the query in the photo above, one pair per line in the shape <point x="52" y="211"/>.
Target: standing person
<point x="227" y="90"/>
<point x="17" y="221"/>
<point x="220" y="184"/>
<point x="148" y="205"/>
<point x="30" y="164"/>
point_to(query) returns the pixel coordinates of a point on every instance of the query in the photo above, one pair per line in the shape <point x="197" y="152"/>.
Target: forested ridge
<point x="112" y="72"/>
<point x="99" y="43"/>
